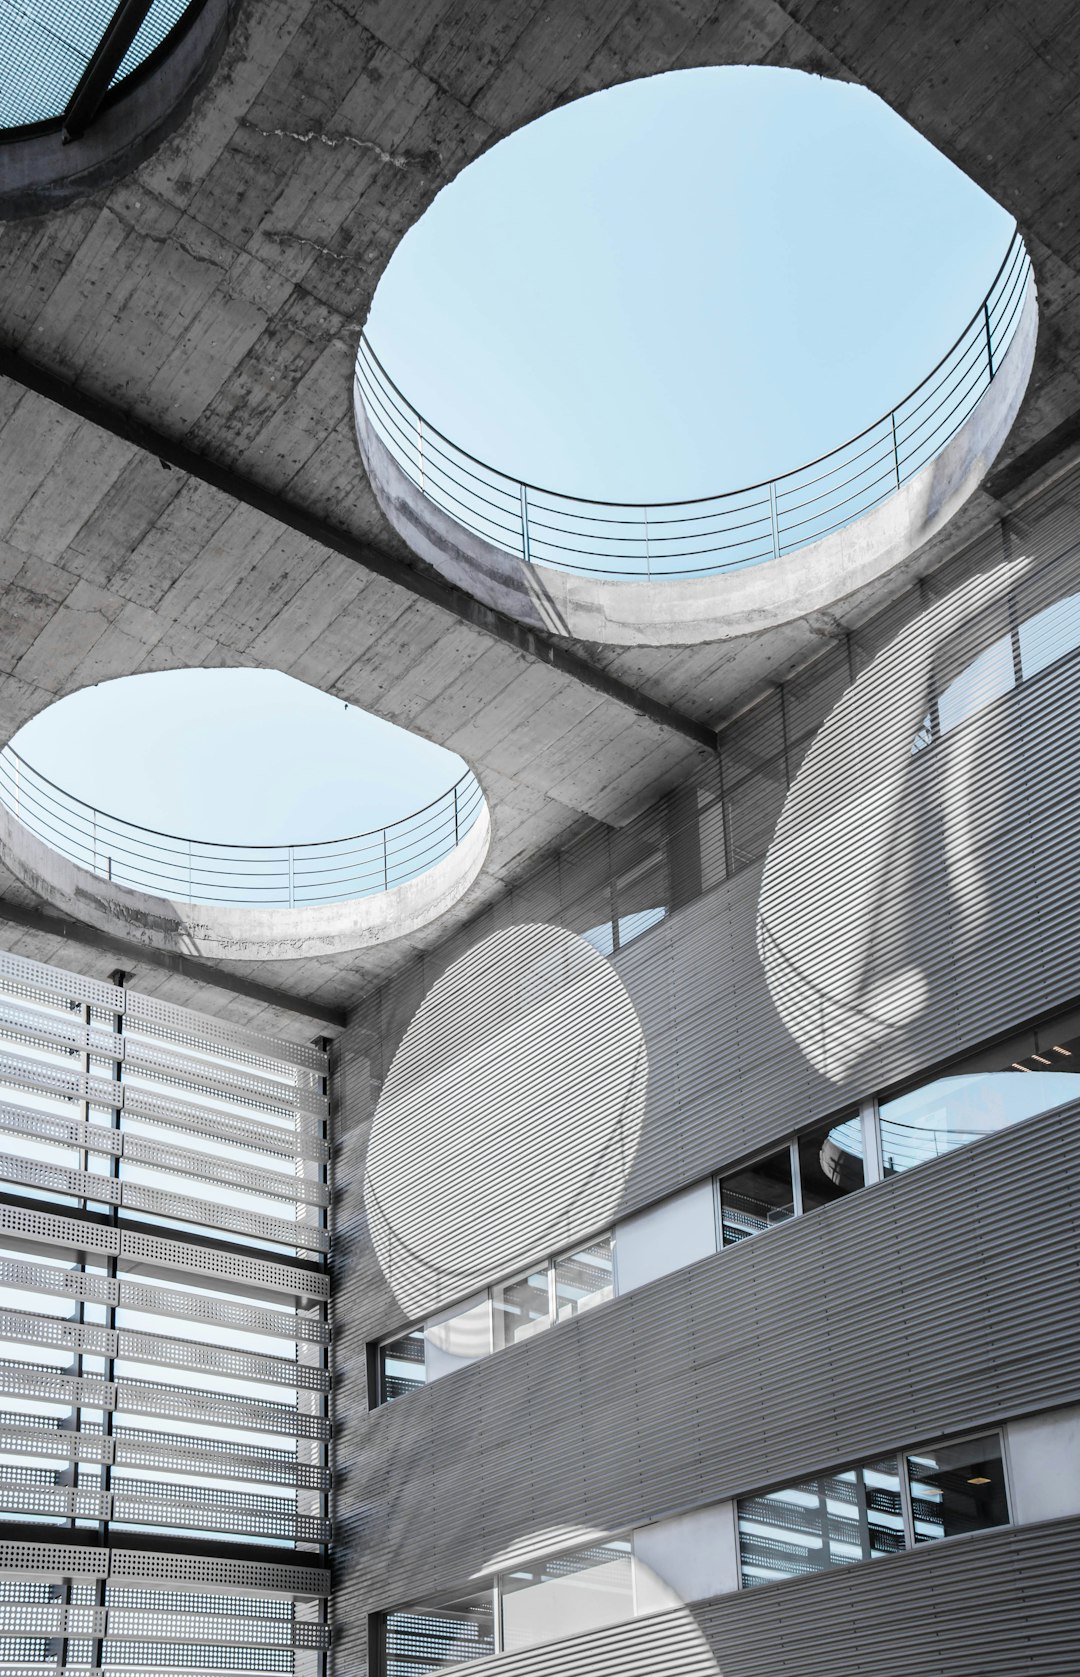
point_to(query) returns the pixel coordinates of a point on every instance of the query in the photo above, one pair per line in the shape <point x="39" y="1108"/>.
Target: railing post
<point x="292" y="884"/>
<point x="648" y="559"/>
<point x="95" y="840"/>
<point x="526" y="551"/>
<point x="895" y="449"/>
<point x="455" y="813"/>
<point x="420" y="446"/>
<point x="989" y="339"/>
<point x="190" y="892"/>
<point x="18" y="787"/>
<point x="775" y="521"/>
<point x="385" y="867"/>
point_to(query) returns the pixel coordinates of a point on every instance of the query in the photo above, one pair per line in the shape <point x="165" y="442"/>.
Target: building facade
<point x="633" y="1268"/>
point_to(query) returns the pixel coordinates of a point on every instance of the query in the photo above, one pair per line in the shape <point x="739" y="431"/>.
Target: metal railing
<point x="238" y="875"/>
<point x="674" y="539"/>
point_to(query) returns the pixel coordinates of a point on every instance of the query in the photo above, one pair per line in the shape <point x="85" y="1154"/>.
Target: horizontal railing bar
<point x="610" y="538"/>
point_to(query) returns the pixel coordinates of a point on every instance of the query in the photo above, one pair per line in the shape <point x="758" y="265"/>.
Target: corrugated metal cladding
<point x="934" y="1302"/>
<point x="918" y="796"/>
<point x="1003" y="1605"/>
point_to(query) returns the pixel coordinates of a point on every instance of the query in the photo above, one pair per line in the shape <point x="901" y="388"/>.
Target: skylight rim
<point x="1015" y="239"/>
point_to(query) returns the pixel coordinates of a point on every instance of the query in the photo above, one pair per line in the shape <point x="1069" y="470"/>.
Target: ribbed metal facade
<point x="880" y="874"/>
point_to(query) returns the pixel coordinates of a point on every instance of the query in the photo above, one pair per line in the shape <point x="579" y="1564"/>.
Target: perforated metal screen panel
<point x="163" y="1335"/>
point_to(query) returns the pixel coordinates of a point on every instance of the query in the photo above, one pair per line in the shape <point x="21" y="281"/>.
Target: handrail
<point x="309" y="874"/>
<point x="523" y="518"/>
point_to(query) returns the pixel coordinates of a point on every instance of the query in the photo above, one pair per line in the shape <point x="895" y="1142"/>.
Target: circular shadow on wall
<point x="920" y="844"/>
<point x="89" y="88"/>
<point x="510" y="1116"/>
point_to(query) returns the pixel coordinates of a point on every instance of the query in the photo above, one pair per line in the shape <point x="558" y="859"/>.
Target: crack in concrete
<point x="172" y="239"/>
<point x="312" y="244"/>
<point x="396" y="160"/>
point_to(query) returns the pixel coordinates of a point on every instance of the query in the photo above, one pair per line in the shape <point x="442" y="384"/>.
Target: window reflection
<point x="1034" y="641"/>
<point x="584" y="1278"/>
<point x="522" y="1307"/>
<point x="833" y="1520"/>
<point x="433" y="1634"/>
<point x="957" y="1488"/>
<point x="830" y="1162"/>
<point x="858" y="1513"/>
<point x="567" y="1595"/>
<point x="1049" y="635"/>
<point x="403" y="1365"/>
<point x="961" y="1108"/>
<point x="756" y="1198"/>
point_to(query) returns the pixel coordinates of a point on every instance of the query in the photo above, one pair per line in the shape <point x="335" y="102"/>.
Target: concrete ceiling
<point x="212" y="301"/>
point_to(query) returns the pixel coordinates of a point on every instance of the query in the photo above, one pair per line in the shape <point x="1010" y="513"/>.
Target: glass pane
<point x="954" y="1111"/>
<point x="583" y="1278"/>
<point x="522" y="1307"/>
<point x="567" y="1595"/>
<point x="435" y="1634"/>
<point x="880" y="1486"/>
<point x="984" y="680"/>
<point x="460" y="1337"/>
<point x="957" y="1488"/>
<point x="402" y="1365"/>
<point x="756" y="1198"/>
<point x="1049" y="635"/>
<point x="831" y="1162"/>
<point x="835" y="1520"/>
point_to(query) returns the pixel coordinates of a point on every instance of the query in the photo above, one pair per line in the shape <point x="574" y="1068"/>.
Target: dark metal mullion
<point x="108" y="55"/>
<point x="98" y="1652"/>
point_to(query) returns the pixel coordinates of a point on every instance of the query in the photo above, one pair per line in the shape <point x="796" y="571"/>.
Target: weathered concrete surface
<point x="215" y="931"/>
<point x="219" y="293"/>
<point x="731" y="605"/>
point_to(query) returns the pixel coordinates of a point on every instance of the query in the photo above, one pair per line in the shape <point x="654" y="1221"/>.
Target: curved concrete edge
<point x="732" y="604"/>
<point x="243" y="934"/>
<point x="41" y="173"/>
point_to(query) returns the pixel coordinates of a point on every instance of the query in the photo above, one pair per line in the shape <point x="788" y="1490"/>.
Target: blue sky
<point x="247" y="756"/>
<point x="664" y="290"/>
<point x="685" y="284"/>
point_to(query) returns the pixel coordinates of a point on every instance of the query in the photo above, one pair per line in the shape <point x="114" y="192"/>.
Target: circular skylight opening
<point x="89" y="87"/>
<point x="683" y="327"/>
<point x="268" y="807"/>
<point x="47" y="47"/>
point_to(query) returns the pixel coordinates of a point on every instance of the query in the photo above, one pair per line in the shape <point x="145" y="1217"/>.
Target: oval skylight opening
<point x="685" y="326"/>
<point x="240" y="789"/>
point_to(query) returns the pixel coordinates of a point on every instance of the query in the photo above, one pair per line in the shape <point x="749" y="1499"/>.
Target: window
<point x="522" y="1307"/>
<point x="403" y="1365"/>
<point x="434" y="1634"/>
<point x="957" y="1488"/>
<point x="584" y="1278"/>
<point x="1024" y="1078"/>
<point x="552" y="1291"/>
<point x="854" y="1515"/>
<point x="830" y="1162"/>
<point x="568" y="1595"/>
<point x="873" y="1509"/>
<point x="755" y="1199"/>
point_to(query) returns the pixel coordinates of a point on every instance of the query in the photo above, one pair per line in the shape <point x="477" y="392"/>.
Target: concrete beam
<point x="247" y="492"/>
<point x="136" y="955"/>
